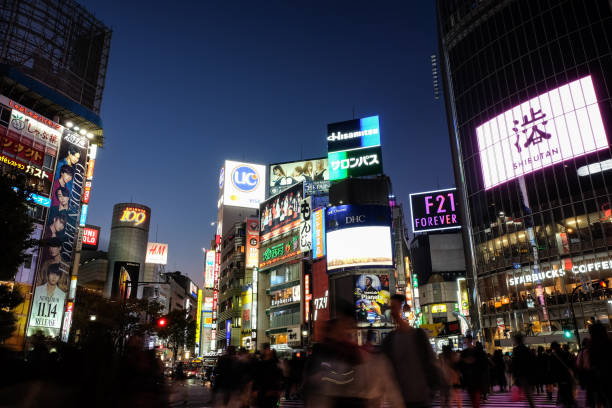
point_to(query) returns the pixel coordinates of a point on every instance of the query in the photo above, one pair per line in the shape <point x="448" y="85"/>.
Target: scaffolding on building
<point x="59" y="44"/>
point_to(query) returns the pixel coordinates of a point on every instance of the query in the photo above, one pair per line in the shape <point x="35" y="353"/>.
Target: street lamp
<point x="92" y="318"/>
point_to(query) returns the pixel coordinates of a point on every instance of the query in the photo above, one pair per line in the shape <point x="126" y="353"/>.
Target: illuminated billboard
<point x="284" y="175"/>
<point x="353" y="134"/>
<point x="358" y="236"/>
<point x="244" y="184"/>
<point x="125" y="280"/>
<point x="209" y="270"/>
<point x="318" y="233"/>
<point x="555" y="126"/>
<point x="157" y="253"/>
<point x="62" y="228"/>
<point x="280" y="213"/>
<point x="434" y="210"/>
<point x="280" y="251"/>
<point x="91" y="235"/>
<point x="252" y="243"/>
<point x="355" y="163"/>
<point x="372" y="300"/>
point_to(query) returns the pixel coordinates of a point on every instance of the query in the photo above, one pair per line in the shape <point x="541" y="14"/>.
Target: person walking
<point x="451" y="387"/>
<point x="267" y="384"/>
<point x="523" y="366"/>
<point x="563" y="375"/>
<point x="600" y="364"/>
<point x="499" y="370"/>
<point x="473" y="365"/>
<point x="412" y="358"/>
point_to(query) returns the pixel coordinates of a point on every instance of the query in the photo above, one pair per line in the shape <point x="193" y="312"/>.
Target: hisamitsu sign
<point x="434" y="210"/>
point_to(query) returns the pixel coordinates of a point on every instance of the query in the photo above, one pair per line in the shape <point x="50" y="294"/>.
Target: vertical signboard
<point x="62" y="226"/>
<point x="306" y="225"/>
<point x="318" y="233"/>
<point x="199" y="322"/>
<point x="252" y="244"/>
<point x="209" y="271"/>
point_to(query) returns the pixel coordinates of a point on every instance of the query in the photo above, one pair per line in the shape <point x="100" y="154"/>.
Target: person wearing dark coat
<point x="474" y="366"/>
<point x="523" y="366"/>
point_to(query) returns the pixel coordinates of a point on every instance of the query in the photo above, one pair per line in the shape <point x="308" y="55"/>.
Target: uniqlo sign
<point x="558" y="125"/>
<point x="90" y="237"/>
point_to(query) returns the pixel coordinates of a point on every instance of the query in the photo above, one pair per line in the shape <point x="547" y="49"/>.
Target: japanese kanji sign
<point x="555" y="126"/>
<point x="352" y="163"/>
<point x="31" y="128"/>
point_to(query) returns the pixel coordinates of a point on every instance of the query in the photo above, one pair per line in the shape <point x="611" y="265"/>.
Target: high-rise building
<point x="527" y="91"/>
<point x="53" y="61"/>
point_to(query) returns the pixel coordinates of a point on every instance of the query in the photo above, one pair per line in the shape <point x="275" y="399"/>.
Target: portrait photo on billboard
<point x="285" y="175"/>
<point x="48" y="300"/>
<point x="63" y="217"/>
<point x="358" y="236"/>
<point x="125" y="279"/>
<point x="372" y="300"/>
<point x="280" y="213"/>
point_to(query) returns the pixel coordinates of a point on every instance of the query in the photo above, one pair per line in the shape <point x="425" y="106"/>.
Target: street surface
<point x="190" y="393"/>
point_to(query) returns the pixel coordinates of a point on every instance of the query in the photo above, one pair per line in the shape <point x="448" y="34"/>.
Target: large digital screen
<point x="157" y="253"/>
<point x="434" y="210"/>
<point x="355" y="163"/>
<point x="244" y="184"/>
<point x="555" y="126"/>
<point x="353" y="134"/>
<point x="372" y="300"/>
<point x="358" y="236"/>
<point x="280" y="213"/>
<point x="284" y="175"/>
<point x="125" y="280"/>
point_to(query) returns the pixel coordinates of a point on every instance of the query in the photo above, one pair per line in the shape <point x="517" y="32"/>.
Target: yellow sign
<point x="198" y="317"/>
<point x="135" y="215"/>
<point x="441" y="308"/>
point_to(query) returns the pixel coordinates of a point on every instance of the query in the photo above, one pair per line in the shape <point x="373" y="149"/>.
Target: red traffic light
<point x="161" y="322"/>
<point x="603" y="284"/>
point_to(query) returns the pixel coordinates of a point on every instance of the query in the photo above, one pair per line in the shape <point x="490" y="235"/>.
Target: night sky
<point x="189" y="86"/>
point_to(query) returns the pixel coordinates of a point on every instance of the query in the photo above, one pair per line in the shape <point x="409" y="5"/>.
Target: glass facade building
<point x="528" y="95"/>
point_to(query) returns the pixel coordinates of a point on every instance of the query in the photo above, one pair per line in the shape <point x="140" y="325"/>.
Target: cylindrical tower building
<point x="127" y="249"/>
<point x="527" y="89"/>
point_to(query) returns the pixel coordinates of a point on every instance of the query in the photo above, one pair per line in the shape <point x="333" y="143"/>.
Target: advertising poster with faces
<point x="59" y="236"/>
<point x="372" y="300"/>
<point x="285" y="175"/>
<point x="281" y="213"/>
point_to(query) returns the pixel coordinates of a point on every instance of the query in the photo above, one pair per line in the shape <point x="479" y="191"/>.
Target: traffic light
<point x="162" y="322"/>
<point x="602" y="284"/>
<point x="567" y="333"/>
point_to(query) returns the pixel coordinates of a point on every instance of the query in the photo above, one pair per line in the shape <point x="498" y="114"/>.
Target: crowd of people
<point x="404" y="371"/>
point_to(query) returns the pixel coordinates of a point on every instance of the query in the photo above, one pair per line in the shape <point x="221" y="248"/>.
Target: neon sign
<point x="133" y="214"/>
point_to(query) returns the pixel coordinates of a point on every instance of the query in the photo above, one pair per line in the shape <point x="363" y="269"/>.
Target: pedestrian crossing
<point x="494" y="400"/>
<point x="504" y="399"/>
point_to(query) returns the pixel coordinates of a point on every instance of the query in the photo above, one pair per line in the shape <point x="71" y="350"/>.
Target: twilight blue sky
<point x="191" y="84"/>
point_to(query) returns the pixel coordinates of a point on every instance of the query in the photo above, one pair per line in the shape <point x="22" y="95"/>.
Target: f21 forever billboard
<point x="358" y="236"/>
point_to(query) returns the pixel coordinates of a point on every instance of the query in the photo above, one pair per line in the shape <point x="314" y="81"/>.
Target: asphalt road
<point x="189" y="393"/>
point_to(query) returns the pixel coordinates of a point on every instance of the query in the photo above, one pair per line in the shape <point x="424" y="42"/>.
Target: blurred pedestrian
<point x="412" y="358"/>
<point x="563" y="375"/>
<point x="523" y="368"/>
<point x="600" y="364"/>
<point x="341" y="374"/>
<point x="451" y="384"/>
<point x="223" y="372"/>
<point x="268" y="380"/>
<point x="499" y="370"/>
<point x="473" y="364"/>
